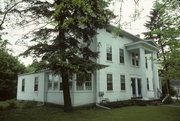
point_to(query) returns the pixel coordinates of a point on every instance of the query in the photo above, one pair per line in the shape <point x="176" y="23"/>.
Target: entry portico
<point x="142" y="49"/>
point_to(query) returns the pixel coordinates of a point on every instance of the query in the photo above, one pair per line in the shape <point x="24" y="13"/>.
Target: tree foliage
<point x="164" y="28"/>
<point x="65" y="46"/>
<point x="10" y="66"/>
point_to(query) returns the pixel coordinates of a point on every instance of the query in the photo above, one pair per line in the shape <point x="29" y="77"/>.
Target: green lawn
<point x="177" y="103"/>
<point x="134" y="113"/>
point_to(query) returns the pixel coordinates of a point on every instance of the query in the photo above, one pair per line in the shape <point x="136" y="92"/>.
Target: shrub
<point x="28" y="104"/>
<point x="169" y="100"/>
<point x="12" y="104"/>
<point x="1" y="108"/>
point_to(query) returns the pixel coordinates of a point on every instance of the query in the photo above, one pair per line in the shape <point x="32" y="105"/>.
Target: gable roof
<point x="124" y="33"/>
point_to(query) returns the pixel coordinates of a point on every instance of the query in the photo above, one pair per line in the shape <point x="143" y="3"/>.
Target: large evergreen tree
<point x="164" y="28"/>
<point x="64" y="47"/>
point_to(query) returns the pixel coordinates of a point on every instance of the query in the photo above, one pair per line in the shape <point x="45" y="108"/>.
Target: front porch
<point x="139" y="52"/>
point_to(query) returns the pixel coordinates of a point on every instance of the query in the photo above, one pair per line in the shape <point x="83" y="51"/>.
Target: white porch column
<point x="143" y="73"/>
<point x="155" y="74"/>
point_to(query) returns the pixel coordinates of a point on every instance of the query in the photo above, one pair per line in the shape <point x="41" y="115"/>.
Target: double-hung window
<point x="50" y="81"/>
<point x="36" y="83"/>
<point x="135" y="59"/>
<point x="109" y="52"/>
<point x="23" y="85"/>
<point x="121" y="55"/>
<point x="109" y="82"/>
<point x="79" y="83"/>
<point x="123" y="82"/>
<point x="88" y="82"/>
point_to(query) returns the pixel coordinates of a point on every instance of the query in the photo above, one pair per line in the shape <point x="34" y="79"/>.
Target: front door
<point x="133" y="84"/>
<point x="136" y="87"/>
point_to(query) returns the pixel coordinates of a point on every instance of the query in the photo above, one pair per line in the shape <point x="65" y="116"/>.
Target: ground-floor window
<point x="123" y="82"/>
<point x="88" y="82"/>
<point x="36" y="83"/>
<point x="84" y="84"/>
<point x="23" y="85"/>
<point x="109" y="82"/>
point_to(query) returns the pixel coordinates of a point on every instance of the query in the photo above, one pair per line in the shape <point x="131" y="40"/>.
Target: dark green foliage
<point x="28" y="104"/>
<point x="10" y="67"/>
<point x="164" y="28"/>
<point x="65" y="47"/>
<point x="118" y="104"/>
<point x="172" y="92"/>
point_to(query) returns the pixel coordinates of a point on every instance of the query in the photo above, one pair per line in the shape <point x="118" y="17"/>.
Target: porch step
<point x="136" y="98"/>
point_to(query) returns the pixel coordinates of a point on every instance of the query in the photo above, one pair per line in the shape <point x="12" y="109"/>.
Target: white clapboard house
<point x="132" y="73"/>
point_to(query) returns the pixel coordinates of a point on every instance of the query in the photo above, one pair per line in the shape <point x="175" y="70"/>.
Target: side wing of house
<point x="31" y="87"/>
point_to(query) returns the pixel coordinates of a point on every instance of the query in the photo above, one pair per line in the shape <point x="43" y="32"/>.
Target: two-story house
<point x="132" y="73"/>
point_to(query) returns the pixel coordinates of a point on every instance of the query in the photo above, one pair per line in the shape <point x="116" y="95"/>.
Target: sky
<point x="134" y="27"/>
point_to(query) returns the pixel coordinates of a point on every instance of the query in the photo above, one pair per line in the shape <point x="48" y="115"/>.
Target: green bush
<point x="169" y="100"/>
<point x="12" y="104"/>
<point x="28" y="104"/>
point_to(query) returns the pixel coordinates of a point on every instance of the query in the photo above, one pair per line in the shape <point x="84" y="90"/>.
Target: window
<point x="121" y="55"/>
<point x="60" y="86"/>
<point x="79" y="83"/>
<point x="147" y="84"/>
<point x="135" y="59"/>
<point x="123" y="83"/>
<point x="56" y="81"/>
<point x="109" y="52"/>
<point x="36" y="81"/>
<point x="23" y="85"/>
<point x="50" y="81"/>
<point x="109" y="82"/>
<point x="146" y="62"/>
<point x="88" y="83"/>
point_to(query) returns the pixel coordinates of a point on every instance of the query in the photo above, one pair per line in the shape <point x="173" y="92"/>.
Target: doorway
<point x="136" y="87"/>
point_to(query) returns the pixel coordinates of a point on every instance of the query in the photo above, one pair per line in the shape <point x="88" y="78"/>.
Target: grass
<point x="132" y="113"/>
<point x="177" y="103"/>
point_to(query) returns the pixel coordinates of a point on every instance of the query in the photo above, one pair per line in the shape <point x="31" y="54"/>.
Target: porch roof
<point x="141" y="44"/>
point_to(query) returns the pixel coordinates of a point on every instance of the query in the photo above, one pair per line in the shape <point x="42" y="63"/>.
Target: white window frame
<point x="109" y="82"/>
<point x="36" y="83"/>
<point x="135" y="59"/>
<point x="121" y="55"/>
<point x="88" y="83"/>
<point x="23" y="85"/>
<point x="123" y="82"/>
<point x="109" y="52"/>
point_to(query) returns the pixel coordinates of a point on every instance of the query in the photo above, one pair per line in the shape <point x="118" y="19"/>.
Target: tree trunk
<point x="66" y="92"/>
